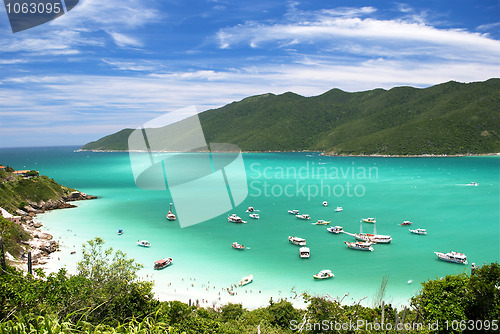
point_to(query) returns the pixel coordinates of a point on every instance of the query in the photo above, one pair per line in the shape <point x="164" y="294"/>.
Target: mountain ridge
<point x="451" y="118"/>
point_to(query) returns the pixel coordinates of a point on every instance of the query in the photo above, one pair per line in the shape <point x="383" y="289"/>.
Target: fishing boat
<point x="254" y="215"/>
<point x="338" y="209"/>
<point x="237" y="245"/>
<point x="293" y="212"/>
<point x="406" y="222"/>
<point x="323" y="274"/>
<point x="325" y="203"/>
<point x="235" y="219"/>
<point x="160" y="264"/>
<point x="246" y="280"/>
<point x="297" y="241"/>
<point x="304" y="252"/>
<point x="419" y="231"/>
<point x="321" y="222"/>
<point x="304" y="216"/>
<point x="335" y="229"/>
<point x="143" y="243"/>
<point x="364" y="246"/>
<point x="120" y="232"/>
<point x="170" y="214"/>
<point x="369" y="220"/>
<point x="454" y="257"/>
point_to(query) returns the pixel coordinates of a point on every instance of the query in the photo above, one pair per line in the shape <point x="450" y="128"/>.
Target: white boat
<point x="369" y="220"/>
<point x="373" y="238"/>
<point x="474" y="184"/>
<point x="297" y="241"/>
<point x="406" y="222"/>
<point x="323" y="274"/>
<point x="454" y="257"/>
<point x="235" y="219"/>
<point x="170" y="214"/>
<point x="160" y="264"/>
<point x="304" y="216"/>
<point x="338" y="209"/>
<point x="237" y="245"/>
<point x="325" y="203"/>
<point x="304" y="252"/>
<point x="143" y="243"/>
<point x="293" y="212"/>
<point x="254" y="215"/>
<point x="364" y="246"/>
<point x="321" y="222"/>
<point x="335" y="229"/>
<point x="245" y="280"/>
<point x="419" y="231"/>
<point x="120" y="232"/>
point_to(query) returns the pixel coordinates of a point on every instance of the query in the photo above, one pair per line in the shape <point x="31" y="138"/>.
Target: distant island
<point x="446" y="119"/>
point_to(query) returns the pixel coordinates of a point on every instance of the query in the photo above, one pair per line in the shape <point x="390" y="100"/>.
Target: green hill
<point x="450" y="118"/>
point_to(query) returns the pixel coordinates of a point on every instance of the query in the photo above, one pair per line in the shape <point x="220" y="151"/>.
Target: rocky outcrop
<point x="78" y="196"/>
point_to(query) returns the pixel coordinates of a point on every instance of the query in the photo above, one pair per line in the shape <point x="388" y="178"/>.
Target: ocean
<point x="432" y="192"/>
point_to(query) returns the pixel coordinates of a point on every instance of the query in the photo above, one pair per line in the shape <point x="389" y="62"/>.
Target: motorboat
<point x="474" y="184"/>
<point x="297" y="241"/>
<point x="160" y="264"/>
<point x="293" y="212"/>
<point x="304" y="252"/>
<point x="143" y="243"/>
<point x="304" y="216"/>
<point x="251" y="209"/>
<point x="335" y="229"/>
<point x="369" y="220"/>
<point x="419" y="231"/>
<point x="364" y="246"/>
<point x="323" y="274"/>
<point x="454" y="257"/>
<point x="120" y="232"/>
<point x="325" y="203"/>
<point x="321" y="222"/>
<point x="170" y="214"/>
<point x="237" y="245"/>
<point x="254" y="215"/>
<point x="373" y="238"/>
<point x="406" y="222"/>
<point x="246" y="280"/>
<point x="338" y="209"/>
<point x="235" y="219"/>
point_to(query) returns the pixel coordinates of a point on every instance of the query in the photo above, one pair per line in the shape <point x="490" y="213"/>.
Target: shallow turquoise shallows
<point x="433" y="193"/>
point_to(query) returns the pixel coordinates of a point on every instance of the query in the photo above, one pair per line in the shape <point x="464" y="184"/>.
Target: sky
<point x="113" y="64"/>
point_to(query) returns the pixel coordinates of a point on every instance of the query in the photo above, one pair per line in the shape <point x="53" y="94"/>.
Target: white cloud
<point x="342" y="29"/>
<point x="124" y="41"/>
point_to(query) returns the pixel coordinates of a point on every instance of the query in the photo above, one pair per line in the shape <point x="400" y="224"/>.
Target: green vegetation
<point x="13" y="235"/>
<point x="450" y="118"/>
<point x="16" y="191"/>
<point x="105" y="296"/>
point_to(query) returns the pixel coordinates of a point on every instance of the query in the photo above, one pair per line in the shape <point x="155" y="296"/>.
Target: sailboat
<point x="170" y="214"/>
<point x="374" y="238"/>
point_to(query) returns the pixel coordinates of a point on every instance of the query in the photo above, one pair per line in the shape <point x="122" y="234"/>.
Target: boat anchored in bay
<point x="452" y="256"/>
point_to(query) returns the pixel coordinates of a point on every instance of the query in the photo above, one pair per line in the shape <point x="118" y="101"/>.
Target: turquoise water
<point x="431" y="192"/>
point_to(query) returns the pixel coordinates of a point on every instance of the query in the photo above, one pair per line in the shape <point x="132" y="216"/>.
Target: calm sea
<point x="431" y="192"/>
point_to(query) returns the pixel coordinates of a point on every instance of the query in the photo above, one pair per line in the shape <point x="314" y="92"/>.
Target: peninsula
<point x="446" y="119"/>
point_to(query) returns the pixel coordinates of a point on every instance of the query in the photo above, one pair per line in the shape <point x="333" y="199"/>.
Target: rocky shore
<point x="41" y="244"/>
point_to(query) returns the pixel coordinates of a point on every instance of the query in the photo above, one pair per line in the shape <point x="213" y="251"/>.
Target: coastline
<point x="321" y="153"/>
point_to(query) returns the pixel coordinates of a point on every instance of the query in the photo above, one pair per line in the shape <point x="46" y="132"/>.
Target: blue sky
<point x="111" y="64"/>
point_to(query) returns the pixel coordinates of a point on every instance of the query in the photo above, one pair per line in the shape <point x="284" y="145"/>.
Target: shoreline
<point x="320" y="153"/>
